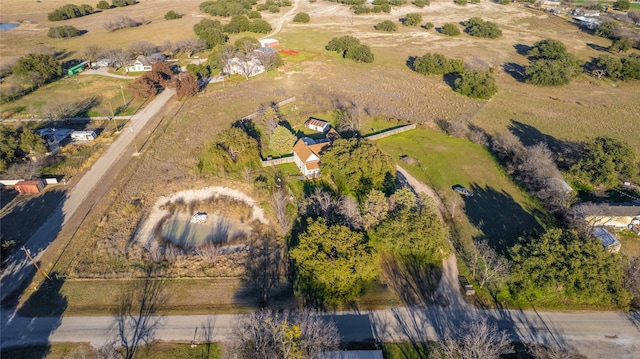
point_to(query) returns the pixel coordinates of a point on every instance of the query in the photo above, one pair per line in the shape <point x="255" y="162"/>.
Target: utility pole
<point x="26" y="251"/>
<point x="113" y="117"/>
<point x="124" y="102"/>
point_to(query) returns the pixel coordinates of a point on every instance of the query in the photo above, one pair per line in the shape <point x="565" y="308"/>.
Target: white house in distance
<point x="269" y="43"/>
<point x="248" y="67"/>
<point x="306" y="155"/>
<point x="317" y="125"/>
<point x="141" y="64"/>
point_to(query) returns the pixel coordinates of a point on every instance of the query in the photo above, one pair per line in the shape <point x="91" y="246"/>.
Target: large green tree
<point x="9" y="144"/>
<point x="606" y="161"/>
<point x="332" y="263"/>
<point x="476" y="84"/>
<point x="477" y="27"/>
<point x="560" y="267"/>
<point x="37" y="68"/>
<point x="413" y="231"/>
<point x="437" y="64"/>
<point x="211" y="32"/>
<point x="357" y="166"/>
<point x="551" y="64"/>
<point x="232" y="151"/>
<point x="282" y="140"/>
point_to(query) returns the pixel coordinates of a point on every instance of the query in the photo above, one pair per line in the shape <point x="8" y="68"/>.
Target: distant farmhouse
<point x="246" y="67"/>
<point x="612" y="215"/>
<point x="141" y="64"/>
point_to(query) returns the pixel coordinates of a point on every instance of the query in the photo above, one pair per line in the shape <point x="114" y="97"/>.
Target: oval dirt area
<point x="179" y="230"/>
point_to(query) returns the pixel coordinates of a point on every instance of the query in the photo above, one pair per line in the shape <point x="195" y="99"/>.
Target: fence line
<point x="281" y="103"/>
<point x="391" y="132"/>
<point x="277" y="161"/>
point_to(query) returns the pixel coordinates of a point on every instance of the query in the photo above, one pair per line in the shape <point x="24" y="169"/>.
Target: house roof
<point x="333" y="135"/>
<point x="315" y="122"/>
<point x="304" y="151"/>
<point x="143" y="60"/>
<point x="604" y="236"/>
<point x="612" y="209"/>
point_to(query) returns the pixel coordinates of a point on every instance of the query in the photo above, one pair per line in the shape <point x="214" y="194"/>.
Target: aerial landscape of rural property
<point x="320" y="179"/>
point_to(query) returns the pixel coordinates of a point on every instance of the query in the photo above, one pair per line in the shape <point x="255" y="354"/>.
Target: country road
<point x="594" y="334"/>
<point x="18" y="268"/>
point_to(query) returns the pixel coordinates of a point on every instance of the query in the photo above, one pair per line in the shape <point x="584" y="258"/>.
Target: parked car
<point x="463" y="191"/>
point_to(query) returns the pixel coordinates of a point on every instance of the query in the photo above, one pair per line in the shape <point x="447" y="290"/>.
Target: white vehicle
<point x="199" y="217"/>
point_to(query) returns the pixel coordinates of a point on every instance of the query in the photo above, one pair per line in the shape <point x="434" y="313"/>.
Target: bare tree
<point x="265" y="263"/>
<point x="268" y="59"/>
<point x="493" y="267"/>
<point x="374" y="209"/>
<point x="320" y="204"/>
<point x="267" y="334"/>
<point x="142" y="47"/>
<point x="476" y="340"/>
<point x="348" y="207"/>
<point x="507" y="146"/>
<point x="631" y="279"/>
<point x="136" y="318"/>
<point x="227" y="52"/>
<point x="543" y="352"/>
<point x="119" y="57"/>
<point x="279" y="201"/>
<point x="93" y="53"/>
<point x="349" y="116"/>
<point x="455" y="203"/>
<point x="209" y="251"/>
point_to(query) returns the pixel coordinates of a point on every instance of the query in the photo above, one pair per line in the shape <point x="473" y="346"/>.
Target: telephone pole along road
<point x="19" y="269"/>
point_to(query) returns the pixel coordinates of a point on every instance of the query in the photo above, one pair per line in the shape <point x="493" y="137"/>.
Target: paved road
<point x="597" y="335"/>
<point x="18" y="268"/>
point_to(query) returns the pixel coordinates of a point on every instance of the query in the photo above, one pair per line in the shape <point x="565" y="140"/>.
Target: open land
<point x="387" y="89"/>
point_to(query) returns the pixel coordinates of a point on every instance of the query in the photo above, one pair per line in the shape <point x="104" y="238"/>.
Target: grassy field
<point x="106" y="91"/>
<point x="499" y="211"/>
<point x="155" y="350"/>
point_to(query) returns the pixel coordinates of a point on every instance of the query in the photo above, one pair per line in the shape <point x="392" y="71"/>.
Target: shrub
<point x="121" y="3"/>
<point x="350" y="48"/>
<point x="421" y="3"/>
<point x="437" y="64"/>
<point x="255" y="15"/>
<point x="460" y="2"/>
<point x="360" y="53"/>
<point x="260" y="27"/>
<point x="63" y="32"/>
<point x="171" y="15"/>
<point x="69" y="11"/>
<point x="103" y="5"/>
<point x="476" y="84"/>
<point x="387" y="25"/>
<point x="428" y="26"/>
<point x="450" y="29"/>
<point x="274" y="9"/>
<point x="412" y="19"/>
<point x="302" y="17"/>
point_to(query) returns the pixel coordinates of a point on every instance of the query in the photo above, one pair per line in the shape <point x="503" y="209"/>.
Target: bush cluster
<point x="616" y="68"/>
<point x="58" y="32"/>
<point x="437" y="64"/>
<point x="387" y="26"/>
<point x="227" y="8"/>
<point x="477" y="27"/>
<point x="122" y="3"/>
<point x="350" y="48"/>
<point x="412" y="19"/>
<point x="302" y="17"/>
<point x="103" y="5"/>
<point x="476" y="84"/>
<point x="551" y="64"/>
<point x="171" y="15"/>
<point x="70" y="11"/>
<point x="450" y="29"/>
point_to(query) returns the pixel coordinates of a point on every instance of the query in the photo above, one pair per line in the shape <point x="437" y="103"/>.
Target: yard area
<point x="499" y="211"/>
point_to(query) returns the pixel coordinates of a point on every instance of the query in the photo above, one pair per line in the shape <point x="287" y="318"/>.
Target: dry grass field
<point x="386" y="89"/>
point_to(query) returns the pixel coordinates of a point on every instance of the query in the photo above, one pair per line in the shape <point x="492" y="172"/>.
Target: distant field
<point x="499" y="211"/>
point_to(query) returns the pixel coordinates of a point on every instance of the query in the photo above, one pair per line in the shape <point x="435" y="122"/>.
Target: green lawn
<point x="499" y="211"/>
<point x="156" y="350"/>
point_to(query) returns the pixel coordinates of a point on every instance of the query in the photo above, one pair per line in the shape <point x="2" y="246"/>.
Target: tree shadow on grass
<point x="499" y="217"/>
<point x="522" y="49"/>
<point x="596" y="47"/>
<point x="450" y="79"/>
<point x="515" y="70"/>
<point x="566" y="152"/>
<point x="414" y="281"/>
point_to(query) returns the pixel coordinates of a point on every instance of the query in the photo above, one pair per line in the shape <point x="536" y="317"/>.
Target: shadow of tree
<point x="596" y="47"/>
<point x="567" y="152"/>
<point x="412" y="280"/>
<point x="522" y="49"/>
<point x="26" y="332"/>
<point x="515" y="70"/>
<point x="499" y="217"/>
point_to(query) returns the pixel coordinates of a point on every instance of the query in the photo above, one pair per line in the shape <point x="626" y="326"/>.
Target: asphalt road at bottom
<point x="594" y="334"/>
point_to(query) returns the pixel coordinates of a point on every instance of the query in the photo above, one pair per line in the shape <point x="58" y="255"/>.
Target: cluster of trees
<point x="476" y="26"/>
<point x="241" y="23"/>
<point x="70" y="11"/>
<point x="437" y="64"/>
<point x="267" y="334"/>
<point x="618" y="68"/>
<point x="474" y="83"/>
<point x="369" y="168"/>
<point x="162" y="76"/>
<point x="18" y="143"/>
<point x="386" y="26"/>
<point x="581" y="271"/>
<point x="227" y="8"/>
<point x="211" y="32"/>
<point x="273" y="6"/>
<point x="421" y="3"/>
<point x="37" y="69"/>
<point x="302" y="17"/>
<point x="122" y="3"/>
<point x="606" y="161"/>
<point x="58" y="32"/>
<point x="350" y="48"/>
<point x="551" y="64"/>
<point x="232" y="151"/>
<point x="377" y="7"/>
<point x="450" y="29"/>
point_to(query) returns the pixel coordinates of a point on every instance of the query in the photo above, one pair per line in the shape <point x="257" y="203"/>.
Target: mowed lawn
<point x="499" y="211"/>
